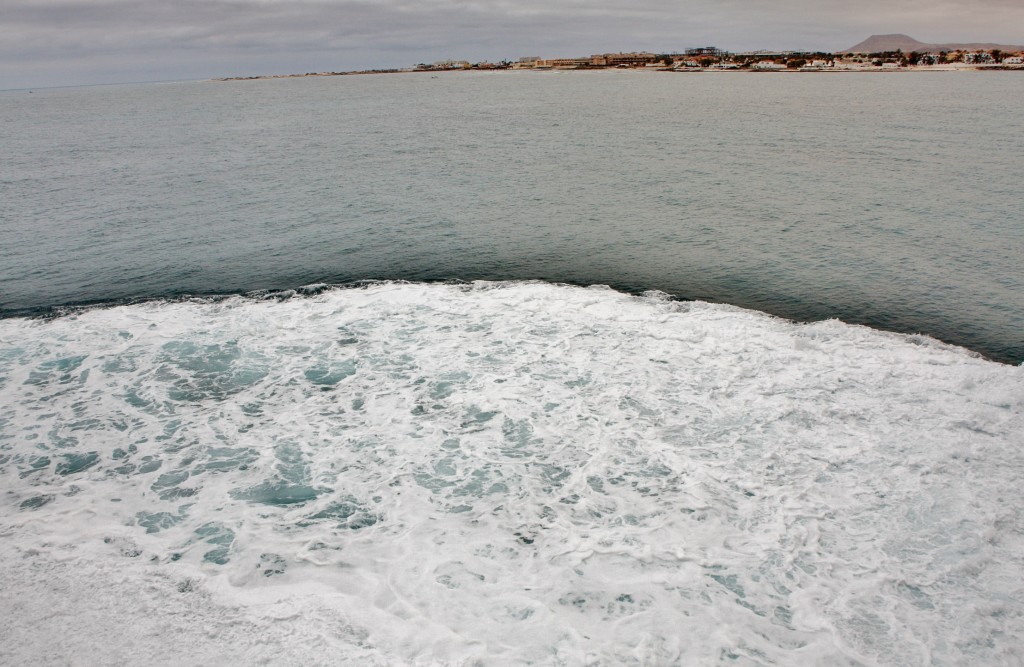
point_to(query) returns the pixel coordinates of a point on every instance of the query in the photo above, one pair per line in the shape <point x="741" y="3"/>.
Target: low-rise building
<point x="768" y="65"/>
<point x="705" y="52"/>
<point x="563" y="63"/>
<point x="622" y="59"/>
<point x="450" y="64"/>
<point x="979" y="58"/>
<point x="526" y="62"/>
<point x="767" y="54"/>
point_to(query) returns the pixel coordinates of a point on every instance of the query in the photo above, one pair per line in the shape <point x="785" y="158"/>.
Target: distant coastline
<point x="879" y="53"/>
<point x="925" y="68"/>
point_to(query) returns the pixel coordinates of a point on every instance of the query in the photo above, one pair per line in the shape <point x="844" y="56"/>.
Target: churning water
<point x="513" y="471"/>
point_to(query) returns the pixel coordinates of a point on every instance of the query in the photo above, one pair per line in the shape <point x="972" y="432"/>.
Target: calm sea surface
<point x="889" y="200"/>
<point x="462" y="460"/>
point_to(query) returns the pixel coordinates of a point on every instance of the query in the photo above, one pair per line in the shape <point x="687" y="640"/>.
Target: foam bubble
<point x="411" y="473"/>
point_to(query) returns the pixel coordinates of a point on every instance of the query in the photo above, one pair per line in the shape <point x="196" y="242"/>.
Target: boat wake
<point x="503" y="473"/>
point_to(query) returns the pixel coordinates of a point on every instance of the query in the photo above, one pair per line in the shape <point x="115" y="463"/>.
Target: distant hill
<point x="907" y="44"/>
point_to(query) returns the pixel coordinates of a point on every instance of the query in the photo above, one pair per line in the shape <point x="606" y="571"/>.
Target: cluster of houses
<point x="711" y="58"/>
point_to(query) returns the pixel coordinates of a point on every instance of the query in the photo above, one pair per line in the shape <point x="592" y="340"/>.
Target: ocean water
<point x="893" y="201"/>
<point x="347" y="397"/>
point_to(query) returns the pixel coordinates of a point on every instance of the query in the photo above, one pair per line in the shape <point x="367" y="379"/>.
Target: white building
<point x="979" y="58"/>
<point x="451" y="64"/>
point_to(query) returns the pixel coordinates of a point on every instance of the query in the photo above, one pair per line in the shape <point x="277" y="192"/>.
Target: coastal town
<point x="712" y="59"/>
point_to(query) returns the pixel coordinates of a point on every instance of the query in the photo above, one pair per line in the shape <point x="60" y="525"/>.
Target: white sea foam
<point x="503" y="474"/>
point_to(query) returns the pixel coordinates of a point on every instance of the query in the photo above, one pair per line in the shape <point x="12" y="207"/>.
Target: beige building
<point x="526" y="62"/>
<point x="564" y="63"/>
<point x="622" y="59"/>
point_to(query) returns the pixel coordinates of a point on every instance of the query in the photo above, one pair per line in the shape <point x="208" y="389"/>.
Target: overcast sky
<point x="68" y="42"/>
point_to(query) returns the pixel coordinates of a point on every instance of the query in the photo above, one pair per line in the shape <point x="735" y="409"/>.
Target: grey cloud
<point x="199" y="38"/>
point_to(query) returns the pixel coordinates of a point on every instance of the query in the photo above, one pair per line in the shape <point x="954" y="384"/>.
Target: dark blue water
<point x="888" y="200"/>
